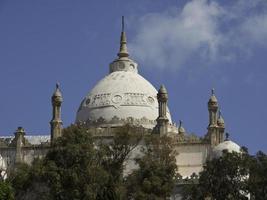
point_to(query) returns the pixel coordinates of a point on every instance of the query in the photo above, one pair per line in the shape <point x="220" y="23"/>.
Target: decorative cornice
<point x="116" y="121"/>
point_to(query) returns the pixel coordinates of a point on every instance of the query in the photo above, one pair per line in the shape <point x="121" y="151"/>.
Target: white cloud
<point x="255" y="29"/>
<point x="204" y="30"/>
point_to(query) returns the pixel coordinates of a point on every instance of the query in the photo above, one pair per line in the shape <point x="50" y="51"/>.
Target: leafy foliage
<point x="78" y="167"/>
<point x="155" y="177"/>
<point x="258" y="177"/>
<point x="223" y="178"/>
<point x="232" y="176"/>
<point x="6" y="190"/>
<point x="29" y="182"/>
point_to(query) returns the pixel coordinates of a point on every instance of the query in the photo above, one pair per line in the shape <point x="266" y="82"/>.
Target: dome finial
<point x="123" y="47"/>
<point x="122" y="24"/>
<point x="57" y="85"/>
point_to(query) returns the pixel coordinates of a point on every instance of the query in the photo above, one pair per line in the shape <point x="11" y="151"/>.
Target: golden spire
<point x="123" y="47"/>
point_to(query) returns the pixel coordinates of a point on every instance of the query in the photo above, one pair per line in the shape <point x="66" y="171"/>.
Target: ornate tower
<point x="221" y="127"/>
<point x="19" y="143"/>
<point x="213" y="108"/>
<point x="162" y="120"/>
<point x="56" y="122"/>
<point x="213" y="128"/>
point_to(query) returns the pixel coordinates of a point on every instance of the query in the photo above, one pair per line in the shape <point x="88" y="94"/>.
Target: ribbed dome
<point x="228" y="145"/>
<point x="121" y="97"/>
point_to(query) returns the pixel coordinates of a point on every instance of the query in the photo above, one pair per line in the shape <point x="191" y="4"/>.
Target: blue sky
<point x="189" y="46"/>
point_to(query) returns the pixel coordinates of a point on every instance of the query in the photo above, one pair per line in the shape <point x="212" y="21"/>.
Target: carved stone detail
<point x="125" y="99"/>
<point x="117" y="98"/>
<point x="117" y="121"/>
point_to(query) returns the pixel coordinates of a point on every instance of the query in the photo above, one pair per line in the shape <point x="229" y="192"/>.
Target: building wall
<point x="28" y="154"/>
<point x="191" y="157"/>
<point x="8" y="157"/>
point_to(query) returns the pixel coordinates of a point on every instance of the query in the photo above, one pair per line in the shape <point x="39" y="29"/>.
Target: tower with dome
<point x="122" y="97"/>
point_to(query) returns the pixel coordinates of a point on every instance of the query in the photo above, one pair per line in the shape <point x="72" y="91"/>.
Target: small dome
<point x="57" y="92"/>
<point x="181" y="129"/>
<point x="213" y="98"/>
<point x="163" y="89"/>
<point x="228" y="145"/>
<point x="162" y="95"/>
<point x="220" y="121"/>
<point x="57" y="96"/>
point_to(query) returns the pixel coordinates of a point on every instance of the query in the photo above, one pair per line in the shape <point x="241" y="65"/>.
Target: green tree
<point x="223" y="178"/>
<point x="114" y="154"/>
<point x="29" y="181"/>
<point x="155" y="177"/>
<point x="258" y="177"/>
<point x="78" y="166"/>
<point x="6" y="190"/>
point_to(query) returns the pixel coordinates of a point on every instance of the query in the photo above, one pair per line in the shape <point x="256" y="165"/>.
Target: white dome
<point x="228" y="145"/>
<point x="119" y="98"/>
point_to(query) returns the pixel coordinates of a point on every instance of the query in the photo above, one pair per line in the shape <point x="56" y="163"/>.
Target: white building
<point x="124" y="96"/>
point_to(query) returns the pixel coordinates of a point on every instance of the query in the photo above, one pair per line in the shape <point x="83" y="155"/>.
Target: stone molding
<point x="118" y="99"/>
<point x="116" y="121"/>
